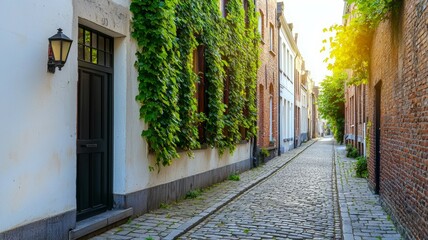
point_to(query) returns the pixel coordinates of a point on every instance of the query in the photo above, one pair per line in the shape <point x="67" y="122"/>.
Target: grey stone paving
<point x="296" y="203"/>
<point x="178" y="217"/>
<point x="361" y="212"/>
<point x="300" y="201"/>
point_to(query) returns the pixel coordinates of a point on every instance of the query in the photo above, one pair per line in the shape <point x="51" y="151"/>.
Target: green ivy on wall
<point x="167" y="33"/>
<point x="350" y="47"/>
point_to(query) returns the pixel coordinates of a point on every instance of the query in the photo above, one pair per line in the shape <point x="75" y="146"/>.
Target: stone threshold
<point x="97" y="222"/>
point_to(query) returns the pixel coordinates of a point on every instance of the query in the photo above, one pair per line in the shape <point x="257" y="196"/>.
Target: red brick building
<point x="355" y="117"/>
<point x="267" y="90"/>
<point x="394" y="104"/>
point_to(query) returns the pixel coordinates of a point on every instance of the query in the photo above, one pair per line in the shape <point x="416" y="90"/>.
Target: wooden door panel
<point x="93" y="195"/>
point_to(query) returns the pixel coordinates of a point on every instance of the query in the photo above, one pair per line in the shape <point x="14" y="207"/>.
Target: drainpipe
<point x="253" y="153"/>
<point x="279" y="85"/>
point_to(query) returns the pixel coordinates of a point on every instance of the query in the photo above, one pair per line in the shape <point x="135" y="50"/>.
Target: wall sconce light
<point x="59" y="47"/>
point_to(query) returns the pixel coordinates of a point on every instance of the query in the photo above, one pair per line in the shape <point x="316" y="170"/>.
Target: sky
<point x="309" y="18"/>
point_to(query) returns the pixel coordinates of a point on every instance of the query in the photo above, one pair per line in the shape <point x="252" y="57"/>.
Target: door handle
<point x="90" y="145"/>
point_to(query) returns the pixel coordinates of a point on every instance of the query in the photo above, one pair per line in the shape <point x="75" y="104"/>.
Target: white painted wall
<point x="304" y="111"/>
<point x="38" y="120"/>
<point x="38" y="124"/>
<point x="286" y="59"/>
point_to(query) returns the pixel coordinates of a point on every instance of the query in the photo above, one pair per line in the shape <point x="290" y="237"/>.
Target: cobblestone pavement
<point x="176" y="218"/>
<point x="361" y="212"/>
<point x="298" y="202"/>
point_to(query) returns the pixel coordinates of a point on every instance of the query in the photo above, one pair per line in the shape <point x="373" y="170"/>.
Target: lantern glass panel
<point x="56" y="49"/>
<point x="65" y="48"/>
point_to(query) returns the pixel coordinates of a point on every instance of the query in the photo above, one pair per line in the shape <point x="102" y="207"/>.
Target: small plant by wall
<point x="234" y="177"/>
<point x="352" y="152"/>
<point x="361" y="167"/>
<point x="264" y="153"/>
<point x="192" y="194"/>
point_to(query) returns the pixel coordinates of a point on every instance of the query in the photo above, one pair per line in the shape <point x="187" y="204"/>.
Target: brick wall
<point x="355" y="102"/>
<point x="268" y="75"/>
<point x="399" y="61"/>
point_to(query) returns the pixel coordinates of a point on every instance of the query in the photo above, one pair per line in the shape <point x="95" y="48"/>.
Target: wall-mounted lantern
<point x="59" y="47"/>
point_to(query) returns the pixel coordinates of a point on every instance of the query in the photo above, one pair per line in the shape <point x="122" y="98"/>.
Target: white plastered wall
<point x="38" y="127"/>
<point x="287" y="91"/>
<point x="38" y="120"/>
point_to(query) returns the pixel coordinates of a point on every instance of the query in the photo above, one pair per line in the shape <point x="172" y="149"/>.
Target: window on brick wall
<point x="223" y="7"/>
<point x="271" y="38"/>
<point x="245" y="112"/>
<point x="201" y="96"/>
<point x="226" y="91"/>
<point x="261" y="25"/>
<point x="352" y="110"/>
<point x="261" y="113"/>
<point x="245" y="4"/>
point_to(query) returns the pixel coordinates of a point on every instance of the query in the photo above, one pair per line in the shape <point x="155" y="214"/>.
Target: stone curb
<point x="347" y="232"/>
<point x="185" y="227"/>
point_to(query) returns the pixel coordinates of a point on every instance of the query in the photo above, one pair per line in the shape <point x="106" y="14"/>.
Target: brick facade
<point x="267" y="90"/>
<point x="355" y="116"/>
<point x="399" y="69"/>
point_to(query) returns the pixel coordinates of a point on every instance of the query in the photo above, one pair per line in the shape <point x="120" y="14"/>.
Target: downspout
<point x="279" y="88"/>
<point x="253" y="153"/>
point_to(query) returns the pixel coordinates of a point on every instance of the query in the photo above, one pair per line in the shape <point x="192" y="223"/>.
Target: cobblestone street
<point x="296" y="203"/>
<point x="290" y="197"/>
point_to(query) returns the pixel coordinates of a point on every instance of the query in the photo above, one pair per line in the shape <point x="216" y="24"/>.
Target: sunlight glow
<point x="309" y="18"/>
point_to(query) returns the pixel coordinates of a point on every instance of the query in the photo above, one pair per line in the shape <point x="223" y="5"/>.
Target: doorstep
<point x="98" y="222"/>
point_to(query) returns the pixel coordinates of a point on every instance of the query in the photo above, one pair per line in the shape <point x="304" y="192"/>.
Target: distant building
<point x="304" y="117"/>
<point x="298" y="75"/>
<point x="267" y="91"/>
<point x="286" y="58"/>
<point x="355" y="117"/>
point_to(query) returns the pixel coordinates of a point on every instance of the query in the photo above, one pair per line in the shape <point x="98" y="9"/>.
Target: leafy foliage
<point x="361" y="167"/>
<point x="234" y="177"/>
<point x="167" y="33"/>
<point x="350" y="48"/>
<point x="352" y="152"/>
<point x="264" y="152"/>
<point x="157" y="65"/>
<point x="331" y="103"/>
<point x="192" y="194"/>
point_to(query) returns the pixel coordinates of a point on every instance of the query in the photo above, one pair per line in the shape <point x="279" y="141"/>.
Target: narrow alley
<point x="298" y="202"/>
<point x="293" y="196"/>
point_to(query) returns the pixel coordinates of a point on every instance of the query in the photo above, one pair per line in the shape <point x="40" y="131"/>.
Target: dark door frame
<point x="378" y="97"/>
<point x="110" y="96"/>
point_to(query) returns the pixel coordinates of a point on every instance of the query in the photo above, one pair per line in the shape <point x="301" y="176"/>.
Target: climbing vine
<point x="157" y="65"/>
<point x="167" y="33"/>
<point x="350" y="47"/>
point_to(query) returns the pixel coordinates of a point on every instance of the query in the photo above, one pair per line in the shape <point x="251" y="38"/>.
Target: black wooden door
<point x="94" y="123"/>
<point x="93" y="187"/>
<point x="378" y="89"/>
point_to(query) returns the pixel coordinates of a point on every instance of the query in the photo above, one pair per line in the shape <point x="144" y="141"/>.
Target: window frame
<point x="201" y="86"/>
